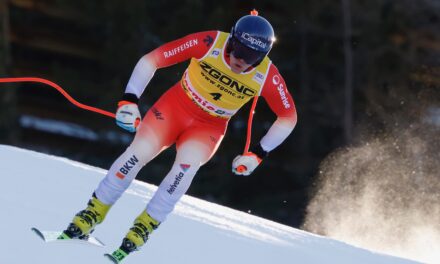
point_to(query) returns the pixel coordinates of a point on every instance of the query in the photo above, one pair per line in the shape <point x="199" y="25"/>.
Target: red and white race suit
<point x="194" y="114"/>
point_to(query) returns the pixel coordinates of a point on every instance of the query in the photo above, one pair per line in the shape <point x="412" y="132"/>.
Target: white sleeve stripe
<point x="142" y="74"/>
<point x="277" y="133"/>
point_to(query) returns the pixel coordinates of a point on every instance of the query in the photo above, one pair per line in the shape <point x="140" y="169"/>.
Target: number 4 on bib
<point x="216" y="96"/>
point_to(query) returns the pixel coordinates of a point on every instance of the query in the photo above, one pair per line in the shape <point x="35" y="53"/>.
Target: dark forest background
<point x="348" y="64"/>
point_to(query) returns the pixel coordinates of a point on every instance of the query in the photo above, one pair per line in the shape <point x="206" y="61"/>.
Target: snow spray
<point x="383" y="193"/>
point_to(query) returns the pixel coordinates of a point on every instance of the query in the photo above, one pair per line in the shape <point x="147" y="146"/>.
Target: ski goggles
<point x="240" y="51"/>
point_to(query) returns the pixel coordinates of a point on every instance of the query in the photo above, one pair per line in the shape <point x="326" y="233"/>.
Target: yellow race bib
<point x="214" y="87"/>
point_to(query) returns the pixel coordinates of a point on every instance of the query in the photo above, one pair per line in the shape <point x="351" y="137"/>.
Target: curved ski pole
<point x="242" y="168"/>
<point x="61" y="90"/>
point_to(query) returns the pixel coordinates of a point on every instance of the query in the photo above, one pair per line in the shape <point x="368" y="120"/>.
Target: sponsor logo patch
<point x="179" y="49"/>
<point x="208" y="40"/>
<point x="120" y="175"/>
<point x="283" y="96"/>
<point x="185" y="167"/>
<point x="258" y="77"/>
<point x="276" y="79"/>
<point x="202" y="102"/>
<point x="253" y="41"/>
<point x="178" y="178"/>
<point x="128" y="165"/>
<point x="226" y="81"/>
<point x="215" y="53"/>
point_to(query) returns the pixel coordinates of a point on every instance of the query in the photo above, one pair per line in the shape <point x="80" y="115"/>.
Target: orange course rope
<point x="61" y="90"/>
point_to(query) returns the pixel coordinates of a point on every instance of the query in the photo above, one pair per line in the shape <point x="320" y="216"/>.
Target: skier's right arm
<point x="191" y="46"/>
<point x="194" y="45"/>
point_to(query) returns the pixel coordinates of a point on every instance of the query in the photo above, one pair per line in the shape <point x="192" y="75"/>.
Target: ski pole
<point x="242" y="168"/>
<point x="61" y="90"/>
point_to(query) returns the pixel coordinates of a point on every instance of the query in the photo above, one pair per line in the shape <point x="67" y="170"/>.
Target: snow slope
<point x="46" y="191"/>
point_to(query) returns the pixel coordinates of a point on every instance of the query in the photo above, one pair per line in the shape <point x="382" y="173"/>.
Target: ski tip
<point x="38" y="232"/>
<point x="99" y="242"/>
<point x="52" y="236"/>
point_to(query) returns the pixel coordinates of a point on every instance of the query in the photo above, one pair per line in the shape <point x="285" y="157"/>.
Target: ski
<point x="117" y="256"/>
<point x="52" y="236"/>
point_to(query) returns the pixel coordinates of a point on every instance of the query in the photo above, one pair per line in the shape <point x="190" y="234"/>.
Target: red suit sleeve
<point x="277" y="96"/>
<point x="195" y="45"/>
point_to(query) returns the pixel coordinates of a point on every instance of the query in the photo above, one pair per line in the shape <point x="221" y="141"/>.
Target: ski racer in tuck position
<point x="226" y="71"/>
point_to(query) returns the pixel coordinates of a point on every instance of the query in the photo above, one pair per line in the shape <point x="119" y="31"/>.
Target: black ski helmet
<point x="251" y="38"/>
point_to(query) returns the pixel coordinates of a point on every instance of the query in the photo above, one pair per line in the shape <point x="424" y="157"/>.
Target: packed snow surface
<point x="45" y="191"/>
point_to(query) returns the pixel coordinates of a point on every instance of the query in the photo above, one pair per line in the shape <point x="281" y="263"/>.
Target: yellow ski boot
<point x="136" y="237"/>
<point x="85" y="221"/>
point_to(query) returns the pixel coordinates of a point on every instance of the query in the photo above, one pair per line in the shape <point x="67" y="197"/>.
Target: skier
<point x="226" y="71"/>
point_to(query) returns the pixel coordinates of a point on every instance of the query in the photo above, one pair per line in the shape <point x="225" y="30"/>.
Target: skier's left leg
<point x="155" y="134"/>
<point x="195" y="147"/>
